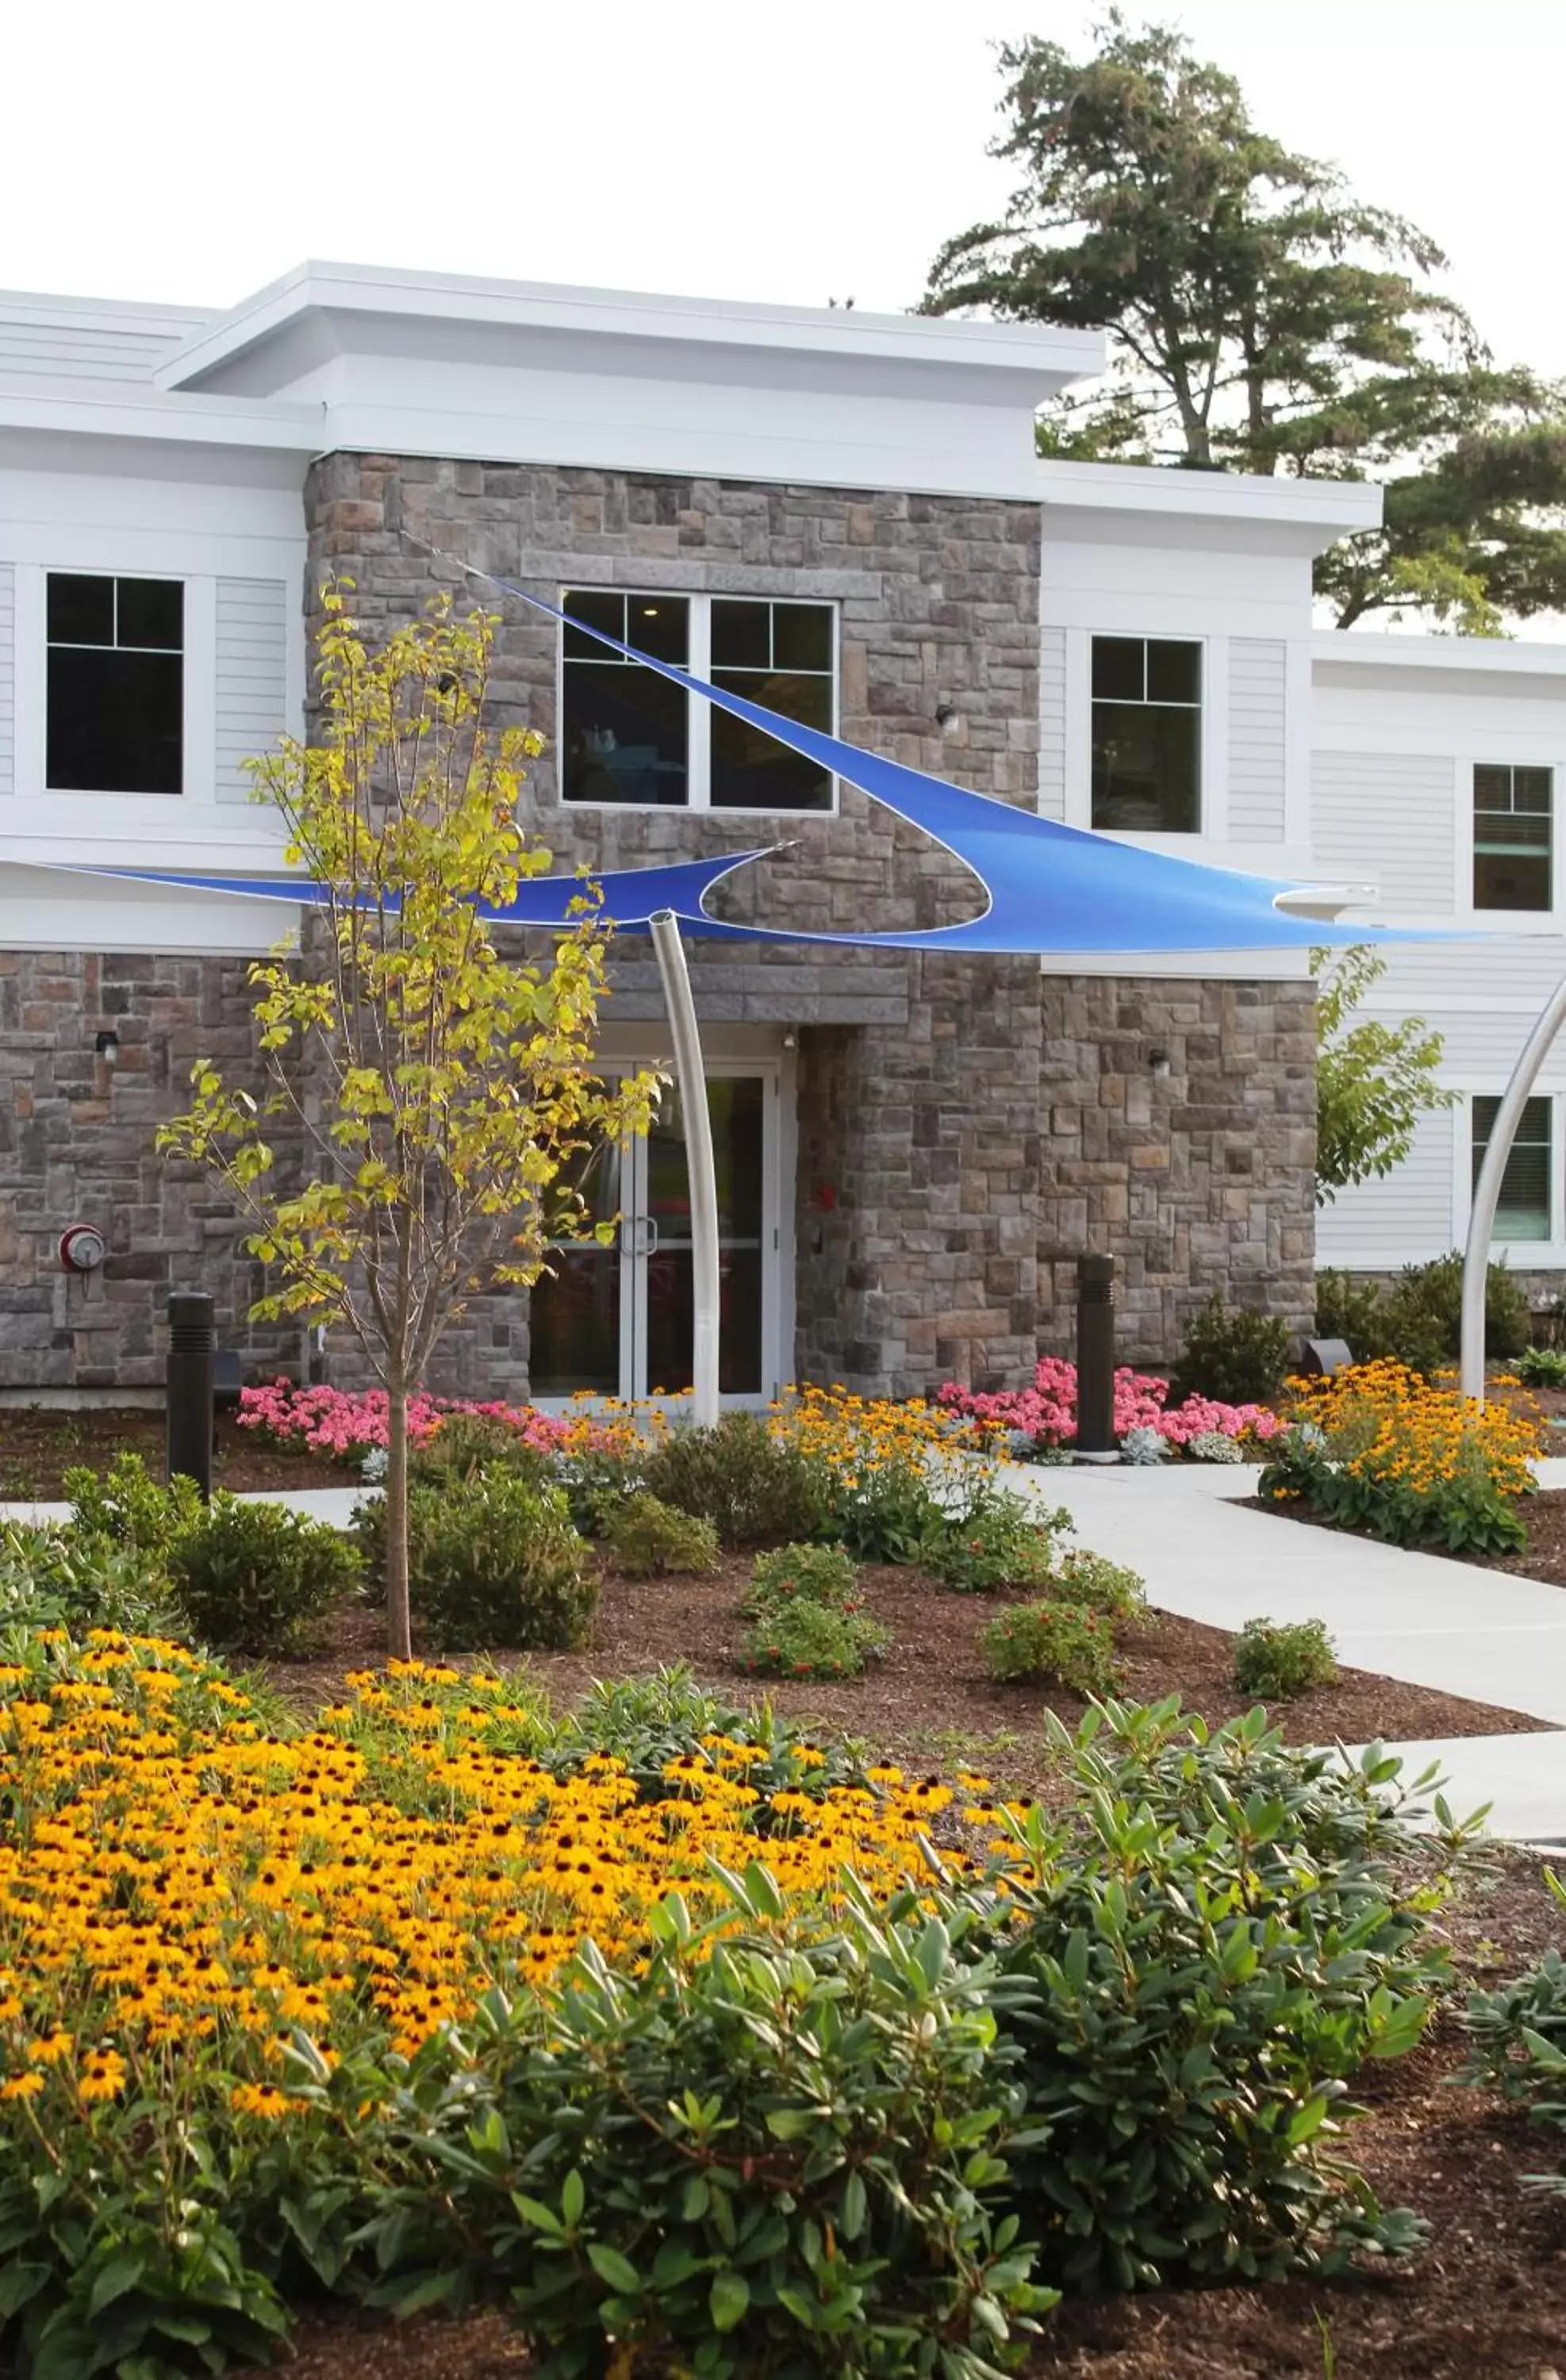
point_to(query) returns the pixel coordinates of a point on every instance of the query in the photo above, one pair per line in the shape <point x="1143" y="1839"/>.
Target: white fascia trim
<point x="1354" y="649"/>
<point x="1333" y="508"/>
<point x="49" y="311"/>
<point x="125" y="409"/>
<point x="900" y="338"/>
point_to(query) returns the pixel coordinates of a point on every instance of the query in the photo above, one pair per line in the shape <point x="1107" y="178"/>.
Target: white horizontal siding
<point x="1387" y="818"/>
<point x="1405" y="1218"/>
<point x="105" y="349"/>
<point x="7" y="678"/>
<point x="1257" y="703"/>
<point x="1053" y="724"/>
<point x="250" y="691"/>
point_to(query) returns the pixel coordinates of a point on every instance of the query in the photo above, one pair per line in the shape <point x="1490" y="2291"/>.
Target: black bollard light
<point x="192" y="1341"/>
<point x="1096" y="1358"/>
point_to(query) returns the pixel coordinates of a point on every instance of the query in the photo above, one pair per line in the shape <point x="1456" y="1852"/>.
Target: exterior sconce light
<point x="106" y="1047"/>
<point x="949" y="719"/>
<point x="791" y="1038"/>
<point x="1159" y="1065"/>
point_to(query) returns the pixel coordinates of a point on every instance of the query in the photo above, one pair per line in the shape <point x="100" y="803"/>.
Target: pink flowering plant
<point x="346" y="1423"/>
<point x="1046" y="1412"/>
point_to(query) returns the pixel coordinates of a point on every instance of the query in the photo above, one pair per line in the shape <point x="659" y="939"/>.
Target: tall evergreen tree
<point x="1262" y="318"/>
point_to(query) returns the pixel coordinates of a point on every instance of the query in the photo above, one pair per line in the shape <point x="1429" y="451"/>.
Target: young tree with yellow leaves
<point x="442" y="1095"/>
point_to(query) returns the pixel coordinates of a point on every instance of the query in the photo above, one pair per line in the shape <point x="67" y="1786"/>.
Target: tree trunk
<point x="399" y="1618"/>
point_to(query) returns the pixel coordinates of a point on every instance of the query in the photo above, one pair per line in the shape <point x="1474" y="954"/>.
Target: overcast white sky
<point x="777" y="149"/>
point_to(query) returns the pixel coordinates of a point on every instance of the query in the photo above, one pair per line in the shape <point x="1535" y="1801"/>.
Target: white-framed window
<point x="1146" y="736"/>
<point x="1526" y="1208"/>
<point x="1514" y="832"/>
<point x="629" y="736"/>
<point x="114" y="684"/>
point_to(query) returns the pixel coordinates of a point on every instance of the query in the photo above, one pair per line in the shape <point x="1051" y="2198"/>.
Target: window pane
<point x="595" y="609"/>
<point x="1514" y="880"/>
<point x="750" y="770"/>
<point x="1492" y="787"/>
<point x="659" y="624"/>
<point x="150" y="612"/>
<point x="1530" y="789"/>
<point x="81" y="610"/>
<point x="623" y="735"/>
<point x="1119" y="669"/>
<point x="115" y="721"/>
<point x="742" y="636"/>
<point x="574" y="1325"/>
<point x="801" y="636"/>
<point x="1174" y="671"/>
<point x="1147" y="775"/>
<point x="1523" y="1209"/>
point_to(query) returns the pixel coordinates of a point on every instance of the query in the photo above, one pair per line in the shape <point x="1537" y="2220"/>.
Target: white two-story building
<point x="842" y="515"/>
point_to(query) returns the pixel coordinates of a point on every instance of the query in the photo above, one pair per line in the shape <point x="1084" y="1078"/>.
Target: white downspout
<point x="1486" y="1190"/>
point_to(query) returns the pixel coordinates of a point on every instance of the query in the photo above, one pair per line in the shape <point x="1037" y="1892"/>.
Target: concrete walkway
<point x="1416" y="1617"/>
<point x="1420" y="1618"/>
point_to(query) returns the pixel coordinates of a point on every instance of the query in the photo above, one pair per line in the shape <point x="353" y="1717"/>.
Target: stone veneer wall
<point x="76" y="1147"/>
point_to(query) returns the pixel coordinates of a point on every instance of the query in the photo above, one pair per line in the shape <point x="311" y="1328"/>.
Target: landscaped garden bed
<point x="835" y="2035"/>
<point x="40" y="1444"/>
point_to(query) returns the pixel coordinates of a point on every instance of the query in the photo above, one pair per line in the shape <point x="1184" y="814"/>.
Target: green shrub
<point x="124" y="1507"/>
<point x="1279" y="1659"/>
<point x="1542" y="1367"/>
<point x="1003" y="1541"/>
<point x="493" y="1562"/>
<point x="1233" y="1354"/>
<point x="764" y="2160"/>
<point x="651" y="1540"/>
<point x="824" y="1574"/>
<point x="755" y="1489"/>
<point x="1353" y="1310"/>
<point x="52" y="1578"/>
<point x="801" y="1639"/>
<point x="1192" y="2135"/>
<point x="1424" y="1314"/>
<point x="465" y="1443"/>
<point x="1506" y="2027"/>
<point x="259" y="1578"/>
<point x="1101" y="1585"/>
<point x="1062" y="1644"/>
<point x="597" y="1478"/>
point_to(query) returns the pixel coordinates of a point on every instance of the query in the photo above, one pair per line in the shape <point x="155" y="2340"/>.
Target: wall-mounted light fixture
<point x="791" y="1038"/>
<point x="1159" y="1065"/>
<point x="106" y="1047"/>
<point x="949" y="719"/>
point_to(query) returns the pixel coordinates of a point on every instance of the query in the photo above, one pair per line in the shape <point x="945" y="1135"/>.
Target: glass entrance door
<point x="617" y="1321"/>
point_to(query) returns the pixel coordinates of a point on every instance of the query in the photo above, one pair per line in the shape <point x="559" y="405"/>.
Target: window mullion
<point x="698" y="714"/>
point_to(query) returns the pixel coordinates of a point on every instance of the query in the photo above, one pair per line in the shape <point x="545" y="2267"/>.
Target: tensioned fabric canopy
<point x="1046" y="888"/>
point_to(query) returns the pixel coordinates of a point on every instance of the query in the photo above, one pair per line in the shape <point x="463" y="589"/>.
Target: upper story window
<point x="627" y="734"/>
<point x="1512" y="809"/>
<point x="116" y="700"/>
<point x="1524" y="1211"/>
<point x="1148" y="735"/>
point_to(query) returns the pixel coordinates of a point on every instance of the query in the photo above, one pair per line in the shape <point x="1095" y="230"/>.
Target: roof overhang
<point x="1236" y="511"/>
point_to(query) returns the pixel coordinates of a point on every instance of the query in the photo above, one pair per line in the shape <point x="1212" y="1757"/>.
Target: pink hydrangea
<point x="346" y="1423"/>
<point x="1047" y="1411"/>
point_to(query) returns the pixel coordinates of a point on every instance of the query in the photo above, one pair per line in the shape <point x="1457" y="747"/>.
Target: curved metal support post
<point x="1486" y="1190"/>
<point x="690" y="1075"/>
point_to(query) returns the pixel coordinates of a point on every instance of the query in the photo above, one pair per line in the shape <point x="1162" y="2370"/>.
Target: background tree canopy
<point x="1262" y="318"/>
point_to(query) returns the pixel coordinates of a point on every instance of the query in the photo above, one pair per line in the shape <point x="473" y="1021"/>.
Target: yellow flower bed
<point x="1388" y="1424"/>
<point x="173" y="1874"/>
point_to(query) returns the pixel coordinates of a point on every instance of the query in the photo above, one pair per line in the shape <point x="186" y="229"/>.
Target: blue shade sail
<point x="1047" y="889"/>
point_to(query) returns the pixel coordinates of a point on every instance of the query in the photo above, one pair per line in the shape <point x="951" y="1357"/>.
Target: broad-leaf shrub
<point x="1418" y="1321"/>
<point x="650" y="1540"/>
<point x="1060" y="1644"/>
<point x="494" y="1560"/>
<point x="1375" y="1447"/>
<point x="124" y="1507"/>
<point x="1206" y="1948"/>
<point x="750" y="1483"/>
<point x="775" y="2158"/>
<point x="1100" y="1585"/>
<point x="806" y="1617"/>
<point x="1232" y="1354"/>
<point x="259" y="1578"/>
<point x="1278" y="1660"/>
<point x="52" y="1578"/>
<point x="1542" y="1367"/>
<point x="1001" y="1541"/>
<point x="1517" y="2035"/>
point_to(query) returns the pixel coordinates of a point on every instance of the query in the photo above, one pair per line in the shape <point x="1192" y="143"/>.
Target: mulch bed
<point x="931" y="1699"/>
<point x="38" y="1445"/>
<point x="1485" y="2300"/>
